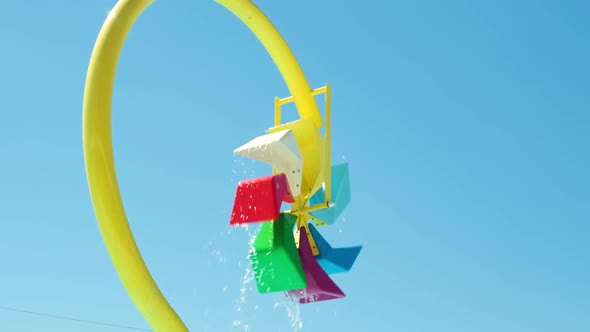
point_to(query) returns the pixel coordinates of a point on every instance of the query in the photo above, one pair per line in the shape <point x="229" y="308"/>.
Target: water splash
<point x="293" y="309"/>
<point x="341" y="223"/>
<point x="240" y="303"/>
<point x="218" y="255"/>
<point x="245" y="317"/>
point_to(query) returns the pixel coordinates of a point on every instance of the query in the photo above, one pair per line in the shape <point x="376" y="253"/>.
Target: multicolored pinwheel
<point x="318" y="192"/>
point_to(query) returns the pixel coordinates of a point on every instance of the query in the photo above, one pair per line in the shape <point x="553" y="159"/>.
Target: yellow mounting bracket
<point x="326" y="90"/>
<point x="303" y="212"/>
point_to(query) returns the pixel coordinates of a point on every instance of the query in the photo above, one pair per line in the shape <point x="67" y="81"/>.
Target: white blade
<point x="281" y="150"/>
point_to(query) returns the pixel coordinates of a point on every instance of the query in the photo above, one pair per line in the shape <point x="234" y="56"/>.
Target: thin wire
<point x="36" y="313"/>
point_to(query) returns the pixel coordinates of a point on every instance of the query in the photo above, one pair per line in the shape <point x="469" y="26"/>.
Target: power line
<point x="36" y="313"/>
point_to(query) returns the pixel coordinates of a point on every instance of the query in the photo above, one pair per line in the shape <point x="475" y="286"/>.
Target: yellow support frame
<point x="303" y="212"/>
<point x="326" y="90"/>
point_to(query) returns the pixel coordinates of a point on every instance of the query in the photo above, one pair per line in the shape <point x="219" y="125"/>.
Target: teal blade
<point x="340" y="195"/>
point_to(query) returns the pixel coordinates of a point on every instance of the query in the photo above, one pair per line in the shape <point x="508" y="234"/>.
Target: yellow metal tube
<point x="318" y="91"/>
<point x="286" y="100"/>
<point x="301" y="210"/>
<point x="277" y="112"/>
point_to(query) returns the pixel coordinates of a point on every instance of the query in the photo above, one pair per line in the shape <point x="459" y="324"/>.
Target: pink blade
<point x="320" y="287"/>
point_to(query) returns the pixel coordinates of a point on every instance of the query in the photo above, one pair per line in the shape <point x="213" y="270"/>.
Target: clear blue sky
<point x="466" y="125"/>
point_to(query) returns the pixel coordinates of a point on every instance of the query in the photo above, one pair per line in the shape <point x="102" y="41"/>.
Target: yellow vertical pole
<point x="328" y="171"/>
<point x="277" y="111"/>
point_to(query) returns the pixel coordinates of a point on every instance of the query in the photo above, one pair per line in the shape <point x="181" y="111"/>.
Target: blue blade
<point x="333" y="260"/>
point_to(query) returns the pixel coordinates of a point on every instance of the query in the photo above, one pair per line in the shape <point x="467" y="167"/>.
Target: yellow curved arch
<point x="100" y="170"/>
<point x="98" y="148"/>
<point x="281" y="54"/>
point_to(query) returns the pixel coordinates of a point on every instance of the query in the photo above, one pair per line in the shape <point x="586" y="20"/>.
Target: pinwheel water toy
<point x="303" y="176"/>
<point x="289" y="254"/>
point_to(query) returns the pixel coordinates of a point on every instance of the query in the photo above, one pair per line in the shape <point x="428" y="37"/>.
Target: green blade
<point x="275" y="258"/>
